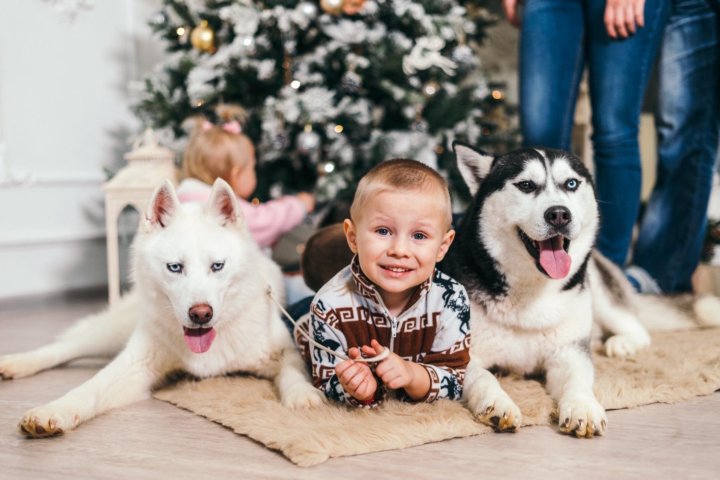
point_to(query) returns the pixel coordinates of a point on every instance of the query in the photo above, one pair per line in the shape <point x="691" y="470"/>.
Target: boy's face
<point x="398" y="238"/>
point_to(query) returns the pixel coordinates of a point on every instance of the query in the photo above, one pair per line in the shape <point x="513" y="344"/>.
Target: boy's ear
<point x="350" y="234"/>
<point x="445" y="245"/>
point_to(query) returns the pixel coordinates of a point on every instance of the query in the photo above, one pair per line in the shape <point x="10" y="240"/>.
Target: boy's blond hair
<point x="213" y="151"/>
<point x="400" y="174"/>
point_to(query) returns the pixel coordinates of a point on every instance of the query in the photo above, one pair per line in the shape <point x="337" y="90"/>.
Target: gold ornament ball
<point x="333" y="7"/>
<point x="203" y="37"/>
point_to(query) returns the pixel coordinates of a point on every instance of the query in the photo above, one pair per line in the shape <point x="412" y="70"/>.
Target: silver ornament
<point x="308" y="142"/>
<point x="308" y="9"/>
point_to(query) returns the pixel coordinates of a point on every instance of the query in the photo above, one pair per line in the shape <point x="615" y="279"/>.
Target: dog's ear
<point x="473" y="164"/>
<point x="163" y="205"/>
<point x="223" y="203"/>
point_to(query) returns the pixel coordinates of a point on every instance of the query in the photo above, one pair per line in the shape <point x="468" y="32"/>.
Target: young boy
<point x="391" y="296"/>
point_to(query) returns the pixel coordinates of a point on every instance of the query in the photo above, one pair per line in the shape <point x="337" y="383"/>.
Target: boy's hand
<point x="356" y="377"/>
<point x="398" y="373"/>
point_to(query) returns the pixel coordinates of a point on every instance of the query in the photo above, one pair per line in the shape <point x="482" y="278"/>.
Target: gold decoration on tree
<point x="333" y="7"/>
<point x="203" y="37"/>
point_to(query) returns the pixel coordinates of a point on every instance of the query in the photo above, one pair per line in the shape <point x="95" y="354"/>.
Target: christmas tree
<point x="331" y="87"/>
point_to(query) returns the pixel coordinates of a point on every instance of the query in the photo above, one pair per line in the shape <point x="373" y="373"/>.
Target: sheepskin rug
<point x="678" y="366"/>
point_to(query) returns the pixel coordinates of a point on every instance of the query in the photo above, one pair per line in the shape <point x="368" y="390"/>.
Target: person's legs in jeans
<point x="671" y="234"/>
<point x="618" y="73"/>
<point x="551" y="64"/>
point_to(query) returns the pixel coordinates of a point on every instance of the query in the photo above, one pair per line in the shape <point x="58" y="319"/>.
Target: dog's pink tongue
<point x="199" y="339"/>
<point x="553" y="258"/>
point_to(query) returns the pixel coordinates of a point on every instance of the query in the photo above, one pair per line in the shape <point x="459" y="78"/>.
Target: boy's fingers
<point x="356" y="380"/>
<point x="376" y="346"/>
<point x="343" y="366"/>
<point x="354" y="352"/>
<point x="368" y="351"/>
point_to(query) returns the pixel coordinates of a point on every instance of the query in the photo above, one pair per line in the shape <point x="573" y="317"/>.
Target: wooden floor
<point x="153" y="439"/>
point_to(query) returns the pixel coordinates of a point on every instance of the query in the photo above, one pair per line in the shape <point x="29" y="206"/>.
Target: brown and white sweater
<point x="434" y="332"/>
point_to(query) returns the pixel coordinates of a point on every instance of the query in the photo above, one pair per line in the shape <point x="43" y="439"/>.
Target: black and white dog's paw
<point x="582" y="416"/>
<point x="623" y="345"/>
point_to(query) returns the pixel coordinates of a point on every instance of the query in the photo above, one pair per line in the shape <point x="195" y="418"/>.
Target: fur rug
<point x="678" y="366"/>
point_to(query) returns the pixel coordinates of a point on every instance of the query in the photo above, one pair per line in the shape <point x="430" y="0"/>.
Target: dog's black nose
<point x="201" y="313"/>
<point x="558" y="216"/>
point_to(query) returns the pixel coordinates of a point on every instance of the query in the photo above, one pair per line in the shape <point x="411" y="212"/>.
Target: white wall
<point x="64" y="117"/>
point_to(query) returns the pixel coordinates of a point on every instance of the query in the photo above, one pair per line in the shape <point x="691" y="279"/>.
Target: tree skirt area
<point x="678" y="366"/>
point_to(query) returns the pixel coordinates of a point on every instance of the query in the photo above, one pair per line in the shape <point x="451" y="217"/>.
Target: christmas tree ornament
<point x="183" y="34"/>
<point x="430" y="88"/>
<point x="333" y="7"/>
<point x="248" y="44"/>
<point x="308" y="141"/>
<point x="464" y="55"/>
<point x="324" y="168"/>
<point x="203" y="37"/>
<point x="160" y="19"/>
<point x="308" y="9"/>
<point x="352" y="7"/>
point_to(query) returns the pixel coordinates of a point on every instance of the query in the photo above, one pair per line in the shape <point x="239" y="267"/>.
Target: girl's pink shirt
<point x="267" y="221"/>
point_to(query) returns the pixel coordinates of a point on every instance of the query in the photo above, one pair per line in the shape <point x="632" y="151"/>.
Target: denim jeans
<point x="558" y="38"/>
<point x="672" y="231"/>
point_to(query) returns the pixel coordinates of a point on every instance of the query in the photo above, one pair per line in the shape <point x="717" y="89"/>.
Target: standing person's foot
<point x="641" y="280"/>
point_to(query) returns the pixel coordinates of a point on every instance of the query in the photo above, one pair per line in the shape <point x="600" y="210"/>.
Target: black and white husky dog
<point x="524" y="252"/>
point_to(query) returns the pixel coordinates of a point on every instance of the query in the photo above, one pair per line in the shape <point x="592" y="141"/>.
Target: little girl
<point x="223" y="151"/>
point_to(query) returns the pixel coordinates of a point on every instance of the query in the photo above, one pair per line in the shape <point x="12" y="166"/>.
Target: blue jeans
<point x="672" y="231"/>
<point x="558" y="38"/>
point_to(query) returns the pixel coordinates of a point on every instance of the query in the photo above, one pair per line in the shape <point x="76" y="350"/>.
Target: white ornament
<point x="308" y="142"/>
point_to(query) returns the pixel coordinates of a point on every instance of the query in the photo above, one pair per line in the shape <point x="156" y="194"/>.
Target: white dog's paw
<point x="623" y="345"/>
<point x="582" y="416"/>
<point x="500" y="412"/>
<point x="18" y="365"/>
<point x="47" y="421"/>
<point x="302" y="395"/>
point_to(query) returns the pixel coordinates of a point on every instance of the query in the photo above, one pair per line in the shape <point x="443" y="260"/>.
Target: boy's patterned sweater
<point x="434" y="332"/>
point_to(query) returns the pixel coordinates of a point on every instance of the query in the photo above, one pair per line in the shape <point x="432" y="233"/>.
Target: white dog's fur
<point x="193" y="267"/>
<point x="531" y="319"/>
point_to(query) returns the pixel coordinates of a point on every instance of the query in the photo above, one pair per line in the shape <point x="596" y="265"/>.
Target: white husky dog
<point x="524" y="252"/>
<point x="199" y="305"/>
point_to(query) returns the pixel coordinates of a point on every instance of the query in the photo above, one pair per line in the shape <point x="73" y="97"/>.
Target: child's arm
<point x="335" y="377"/>
<point x="268" y="221"/>
<point x="449" y="355"/>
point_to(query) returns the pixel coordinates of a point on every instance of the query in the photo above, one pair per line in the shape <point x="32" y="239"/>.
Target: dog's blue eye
<point x="526" y="186"/>
<point x="175" y="267"/>
<point x="217" y="266"/>
<point x="572" y="184"/>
